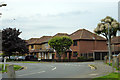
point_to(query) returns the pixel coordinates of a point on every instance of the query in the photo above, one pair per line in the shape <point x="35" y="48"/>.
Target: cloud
<point x="38" y="18"/>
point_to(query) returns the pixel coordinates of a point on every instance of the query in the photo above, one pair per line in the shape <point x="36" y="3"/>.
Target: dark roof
<point x="85" y="34"/>
<point x="115" y="40"/>
<point x="32" y="40"/>
<point x="43" y="39"/>
<point x="39" y="40"/>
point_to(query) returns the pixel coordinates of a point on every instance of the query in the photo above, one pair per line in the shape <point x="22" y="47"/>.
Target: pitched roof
<point x="85" y="34"/>
<point x="43" y="39"/>
<point x="39" y="40"/>
<point x="61" y="34"/>
<point x="32" y="40"/>
<point x="115" y="40"/>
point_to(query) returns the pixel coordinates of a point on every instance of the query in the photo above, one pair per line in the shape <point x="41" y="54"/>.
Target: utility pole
<point x="109" y="44"/>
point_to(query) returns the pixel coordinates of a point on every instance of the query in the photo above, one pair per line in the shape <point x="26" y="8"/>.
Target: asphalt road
<point x="55" y="70"/>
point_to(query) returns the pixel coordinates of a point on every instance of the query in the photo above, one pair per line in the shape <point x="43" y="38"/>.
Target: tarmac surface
<point x="61" y="70"/>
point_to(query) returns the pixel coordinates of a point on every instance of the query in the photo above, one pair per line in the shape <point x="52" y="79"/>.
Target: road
<point x="55" y="70"/>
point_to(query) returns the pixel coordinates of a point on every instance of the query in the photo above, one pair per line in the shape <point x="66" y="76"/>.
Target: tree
<point x="102" y="28"/>
<point x="12" y="43"/>
<point x="60" y="44"/>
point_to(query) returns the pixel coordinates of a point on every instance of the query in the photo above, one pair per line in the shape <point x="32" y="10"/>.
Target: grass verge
<point x="16" y="67"/>
<point x="114" y="67"/>
<point x="27" y="62"/>
<point x="111" y="76"/>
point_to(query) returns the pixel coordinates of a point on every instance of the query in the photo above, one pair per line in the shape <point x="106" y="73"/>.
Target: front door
<point x="70" y="53"/>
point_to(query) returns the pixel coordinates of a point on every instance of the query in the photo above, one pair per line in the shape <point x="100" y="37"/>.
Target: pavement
<point x="62" y="70"/>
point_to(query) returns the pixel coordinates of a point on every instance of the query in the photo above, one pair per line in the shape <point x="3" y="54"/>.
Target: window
<point x="75" y="54"/>
<point x="46" y="46"/>
<point x="81" y="54"/>
<point x="35" y="55"/>
<point x="32" y="46"/>
<point x="40" y="48"/>
<point x="74" y="43"/>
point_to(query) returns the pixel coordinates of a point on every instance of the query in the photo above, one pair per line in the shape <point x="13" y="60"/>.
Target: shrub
<point x="66" y="58"/>
<point x="81" y="58"/>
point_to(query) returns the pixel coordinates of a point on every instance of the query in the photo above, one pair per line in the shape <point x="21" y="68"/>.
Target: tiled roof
<point x="39" y="40"/>
<point x="61" y="34"/>
<point x="79" y="34"/>
<point x="32" y="40"/>
<point x="85" y="34"/>
<point x="115" y="40"/>
<point x="43" y="39"/>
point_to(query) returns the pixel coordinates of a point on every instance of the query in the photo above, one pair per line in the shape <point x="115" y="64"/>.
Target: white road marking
<point x="54" y="68"/>
<point x="93" y="74"/>
<point x="31" y="73"/>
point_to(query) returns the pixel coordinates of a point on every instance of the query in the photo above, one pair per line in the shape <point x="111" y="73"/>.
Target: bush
<point x="66" y="58"/>
<point x="81" y="58"/>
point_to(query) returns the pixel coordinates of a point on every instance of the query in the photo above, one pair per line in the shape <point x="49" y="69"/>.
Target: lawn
<point x="111" y="76"/>
<point x="115" y="67"/>
<point x="16" y="67"/>
<point x="27" y="62"/>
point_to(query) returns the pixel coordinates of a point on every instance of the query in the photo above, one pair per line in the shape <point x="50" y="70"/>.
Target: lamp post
<point x="109" y="44"/>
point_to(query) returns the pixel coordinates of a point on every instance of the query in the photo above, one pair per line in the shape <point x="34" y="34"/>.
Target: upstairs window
<point x="74" y="43"/>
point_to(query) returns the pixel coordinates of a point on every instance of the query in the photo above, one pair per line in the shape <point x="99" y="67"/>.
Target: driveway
<point x="58" y="70"/>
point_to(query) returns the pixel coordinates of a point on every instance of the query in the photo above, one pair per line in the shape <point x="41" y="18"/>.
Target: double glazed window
<point x="74" y="43"/>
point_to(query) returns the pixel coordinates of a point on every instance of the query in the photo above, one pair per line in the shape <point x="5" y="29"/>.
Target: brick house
<point x="86" y="44"/>
<point x="63" y="56"/>
<point x="39" y="47"/>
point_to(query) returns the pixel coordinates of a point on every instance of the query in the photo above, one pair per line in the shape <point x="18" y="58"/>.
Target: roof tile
<point x="85" y="34"/>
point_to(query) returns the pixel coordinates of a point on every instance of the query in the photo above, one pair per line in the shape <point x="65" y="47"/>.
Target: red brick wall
<point x="86" y="46"/>
<point x="101" y="45"/>
<point x="75" y="49"/>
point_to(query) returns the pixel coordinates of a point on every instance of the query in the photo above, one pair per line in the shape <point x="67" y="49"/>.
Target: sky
<point x="37" y="18"/>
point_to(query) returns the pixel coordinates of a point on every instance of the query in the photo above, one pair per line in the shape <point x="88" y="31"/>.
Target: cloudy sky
<point x="36" y="18"/>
